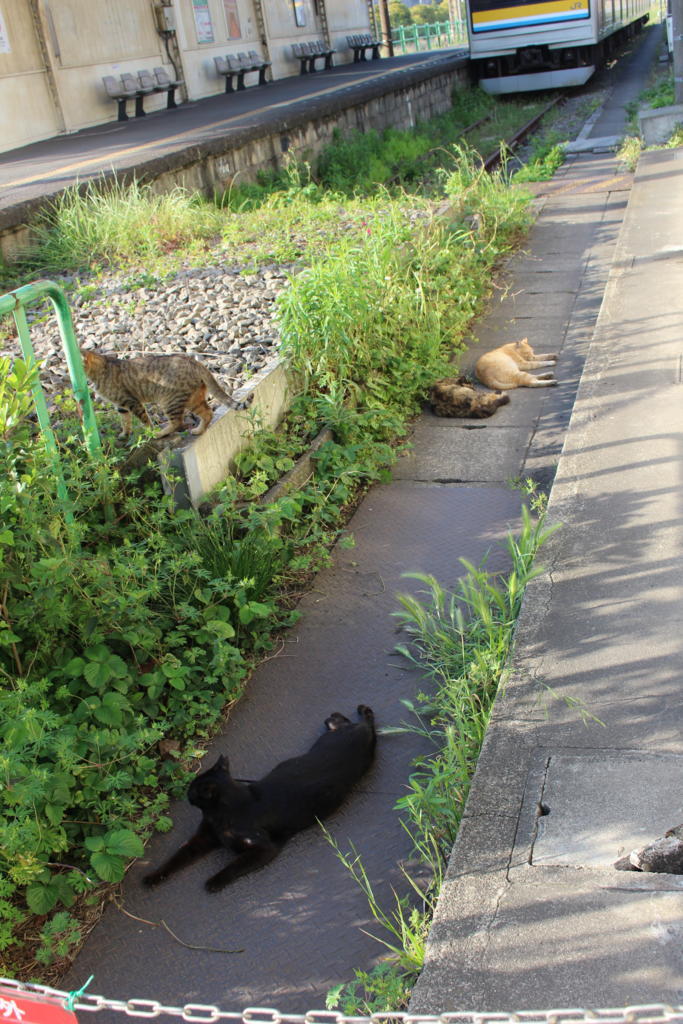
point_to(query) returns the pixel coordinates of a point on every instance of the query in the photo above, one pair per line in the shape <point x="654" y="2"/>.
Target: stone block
<point x="657" y="126"/>
<point x="209" y="458"/>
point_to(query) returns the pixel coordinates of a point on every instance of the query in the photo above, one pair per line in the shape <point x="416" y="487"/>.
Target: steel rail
<point x="495" y="158"/>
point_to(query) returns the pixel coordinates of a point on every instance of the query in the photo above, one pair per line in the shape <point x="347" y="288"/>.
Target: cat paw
<point x="152" y="879"/>
<point x="214" y="884"/>
<point x="336" y="721"/>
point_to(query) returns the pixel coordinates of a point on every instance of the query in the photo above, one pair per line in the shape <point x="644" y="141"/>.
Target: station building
<point x="55" y="53"/>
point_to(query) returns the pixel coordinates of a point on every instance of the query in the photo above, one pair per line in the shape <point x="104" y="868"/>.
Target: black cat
<point x="255" y="819"/>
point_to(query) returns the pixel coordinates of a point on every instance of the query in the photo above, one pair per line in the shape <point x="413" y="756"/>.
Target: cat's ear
<point x="223" y="763"/>
<point x="91" y="358"/>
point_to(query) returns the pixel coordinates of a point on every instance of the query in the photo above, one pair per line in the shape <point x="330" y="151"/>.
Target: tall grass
<point x="462" y="639"/>
<point x="388" y="303"/>
<point x="362" y="318"/>
<point x="119" y="222"/>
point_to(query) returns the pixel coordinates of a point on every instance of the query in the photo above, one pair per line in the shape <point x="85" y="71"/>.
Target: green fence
<point x="14" y="303"/>
<point x="437" y="36"/>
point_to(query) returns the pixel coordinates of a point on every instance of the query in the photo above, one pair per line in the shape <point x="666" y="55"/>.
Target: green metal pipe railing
<point x="15" y="303"/>
<point x="435" y="35"/>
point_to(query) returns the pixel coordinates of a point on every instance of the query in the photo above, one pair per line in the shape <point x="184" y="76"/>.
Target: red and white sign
<point x="30" y="1008"/>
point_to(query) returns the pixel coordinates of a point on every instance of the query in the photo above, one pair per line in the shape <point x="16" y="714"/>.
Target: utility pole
<point x="677" y="34"/>
<point x="385" y="22"/>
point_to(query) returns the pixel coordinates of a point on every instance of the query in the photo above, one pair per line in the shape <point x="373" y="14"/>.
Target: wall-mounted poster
<point x="202" y="21"/>
<point x="4" y="38"/>
<point x="232" y="19"/>
<point x="299" y="12"/>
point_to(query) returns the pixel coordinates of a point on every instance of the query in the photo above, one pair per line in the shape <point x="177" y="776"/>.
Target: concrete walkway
<point x="532" y="913"/>
<point x="603" y="620"/>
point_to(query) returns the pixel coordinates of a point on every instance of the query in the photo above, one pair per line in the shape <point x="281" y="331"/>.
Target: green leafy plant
<point x="542" y="165"/>
<point x="661" y="93"/>
<point x="384" y="987"/>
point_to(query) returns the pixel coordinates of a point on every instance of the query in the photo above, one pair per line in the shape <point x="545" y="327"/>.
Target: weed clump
<point x="116" y="223"/>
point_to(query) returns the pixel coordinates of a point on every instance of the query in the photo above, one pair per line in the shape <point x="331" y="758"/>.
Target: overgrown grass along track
<point x="520" y="135"/>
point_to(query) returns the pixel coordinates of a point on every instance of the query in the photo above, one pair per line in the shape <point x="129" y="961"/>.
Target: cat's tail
<point x="214" y="389"/>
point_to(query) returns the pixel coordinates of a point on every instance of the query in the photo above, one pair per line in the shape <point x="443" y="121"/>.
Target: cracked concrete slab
<point x="458" y="454"/>
<point x="528" y="944"/>
<point x="600" y="806"/>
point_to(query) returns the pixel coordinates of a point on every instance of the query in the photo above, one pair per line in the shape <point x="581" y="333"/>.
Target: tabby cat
<point x="255" y="819"/>
<point x="177" y="384"/>
<point x="455" y="396"/>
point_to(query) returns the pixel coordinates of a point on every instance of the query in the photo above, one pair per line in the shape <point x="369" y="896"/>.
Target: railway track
<point x="520" y="135"/>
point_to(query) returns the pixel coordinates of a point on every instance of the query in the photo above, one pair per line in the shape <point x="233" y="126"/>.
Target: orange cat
<point x="506" y="367"/>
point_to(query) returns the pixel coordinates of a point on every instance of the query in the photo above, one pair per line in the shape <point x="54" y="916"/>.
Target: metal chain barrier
<point x="198" y="1013"/>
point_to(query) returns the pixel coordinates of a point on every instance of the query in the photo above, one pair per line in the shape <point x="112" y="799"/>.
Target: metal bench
<point x="237" y="66"/>
<point x="316" y="49"/>
<point x="303" y="56"/>
<point x="116" y="91"/>
<point x="252" y="62"/>
<point x="225" y="66"/>
<point x="167" y="84"/>
<point x="308" y="53"/>
<point x="149" y="81"/>
<point x="135" y="88"/>
<point x="360" y="43"/>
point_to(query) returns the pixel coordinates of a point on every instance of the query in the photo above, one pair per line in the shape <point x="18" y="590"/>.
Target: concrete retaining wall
<point x="191" y="471"/>
<point x="304" y="138"/>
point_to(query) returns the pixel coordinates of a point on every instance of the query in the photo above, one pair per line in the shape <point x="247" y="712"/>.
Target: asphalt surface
<point x="518" y="924"/>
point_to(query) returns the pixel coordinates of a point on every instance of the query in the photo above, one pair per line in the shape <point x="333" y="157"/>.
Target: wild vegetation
<point x="126" y="633"/>
<point x="659" y="93"/>
<point x="419" y="14"/>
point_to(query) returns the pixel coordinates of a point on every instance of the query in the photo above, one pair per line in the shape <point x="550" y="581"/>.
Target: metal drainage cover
<point x="602" y="806"/>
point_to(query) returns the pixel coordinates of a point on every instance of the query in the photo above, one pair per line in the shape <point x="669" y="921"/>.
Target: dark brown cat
<point x="177" y="384"/>
<point x="455" y="396"/>
<point x="255" y="819"/>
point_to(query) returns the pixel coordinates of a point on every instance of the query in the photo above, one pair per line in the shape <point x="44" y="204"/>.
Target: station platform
<point x="163" y="139"/>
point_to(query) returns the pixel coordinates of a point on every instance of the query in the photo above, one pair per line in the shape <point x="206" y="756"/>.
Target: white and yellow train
<point x="520" y="45"/>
